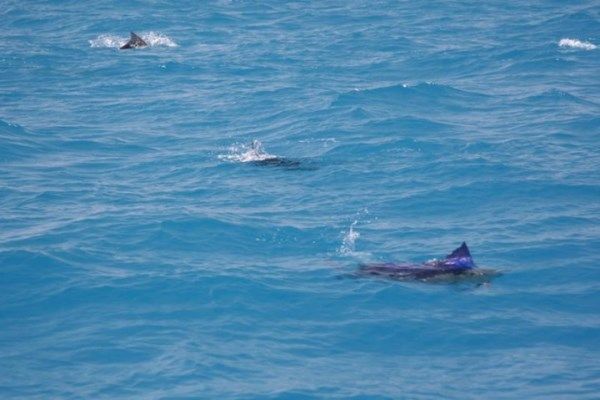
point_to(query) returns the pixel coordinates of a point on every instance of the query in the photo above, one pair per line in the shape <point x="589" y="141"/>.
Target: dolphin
<point x="134" y="41"/>
<point x="458" y="265"/>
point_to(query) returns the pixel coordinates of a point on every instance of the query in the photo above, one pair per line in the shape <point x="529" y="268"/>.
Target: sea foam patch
<point x="576" y="44"/>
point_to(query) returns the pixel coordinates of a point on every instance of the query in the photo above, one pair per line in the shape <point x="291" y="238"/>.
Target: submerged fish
<point x="458" y="265"/>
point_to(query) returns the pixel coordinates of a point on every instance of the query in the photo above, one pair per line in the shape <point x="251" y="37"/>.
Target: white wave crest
<point x="576" y="44"/>
<point x="247" y="153"/>
<point x="113" y="41"/>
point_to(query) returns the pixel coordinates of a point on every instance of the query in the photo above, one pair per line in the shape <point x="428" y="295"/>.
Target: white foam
<point x="108" y="41"/>
<point x="113" y="41"/>
<point x="576" y="44"/>
<point x="247" y="153"/>
<point x="158" y="39"/>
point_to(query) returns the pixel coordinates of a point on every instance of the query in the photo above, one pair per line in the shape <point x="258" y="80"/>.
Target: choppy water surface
<point x="145" y="252"/>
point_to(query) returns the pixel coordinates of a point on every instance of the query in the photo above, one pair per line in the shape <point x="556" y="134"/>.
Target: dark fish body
<point x="458" y="265"/>
<point x="257" y="156"/>
<point x="134" y="41"/>
<point x="278" y="162"/>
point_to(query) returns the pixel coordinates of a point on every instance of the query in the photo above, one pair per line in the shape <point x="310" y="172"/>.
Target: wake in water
<point x="151" y="38"/>
<point x="576" y="44"/>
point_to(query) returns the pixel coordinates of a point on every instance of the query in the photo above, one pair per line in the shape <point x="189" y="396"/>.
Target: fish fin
<point x="460" y="252"/>
<point x="460" y="257"/>
<point x="134" y="41"/>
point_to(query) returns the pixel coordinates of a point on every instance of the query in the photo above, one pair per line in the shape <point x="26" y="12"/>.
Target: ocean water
<point x="143" y="255"/>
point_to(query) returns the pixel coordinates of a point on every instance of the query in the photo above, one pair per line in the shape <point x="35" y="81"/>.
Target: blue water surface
<point x="142" y="257"/>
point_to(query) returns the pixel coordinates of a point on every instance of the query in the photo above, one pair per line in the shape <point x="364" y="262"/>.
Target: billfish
<point x="458" y="265"/>
<point x="258" y="156"/>
<point x="134" y="41"/>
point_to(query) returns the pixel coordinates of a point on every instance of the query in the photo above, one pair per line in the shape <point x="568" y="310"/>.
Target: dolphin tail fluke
<point x="134" y="41"/>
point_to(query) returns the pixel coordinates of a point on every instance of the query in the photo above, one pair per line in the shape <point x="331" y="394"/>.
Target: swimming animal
<point x="458" y="265"/>
<point x="134" y="41"/>
<point x="256" y="155"/>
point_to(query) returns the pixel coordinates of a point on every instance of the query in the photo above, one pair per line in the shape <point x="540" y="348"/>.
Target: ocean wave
<point x="113" y="41"/>
<point x="576" y="44"/>
<point x="423" y="94"/>
<point x="16" y="143"/>
<point x="407" y="122"/>
<point x="10" y="127"/>
<point x="555" y="96"/>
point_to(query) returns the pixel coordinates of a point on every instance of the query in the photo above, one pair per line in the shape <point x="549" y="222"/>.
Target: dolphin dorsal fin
<point x="460" y="252"/>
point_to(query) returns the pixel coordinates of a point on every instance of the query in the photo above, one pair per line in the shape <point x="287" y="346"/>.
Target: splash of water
<point x="348" y="242"/>
<point x="247" y="153"/>
<point x="348" y="246"/>
<point x="158" y="39"/>
<point x="114" y="41"/>
<point x="110" y="41"/>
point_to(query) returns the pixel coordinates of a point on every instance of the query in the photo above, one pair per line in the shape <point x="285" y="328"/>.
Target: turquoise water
<point x="142" y="257"/>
